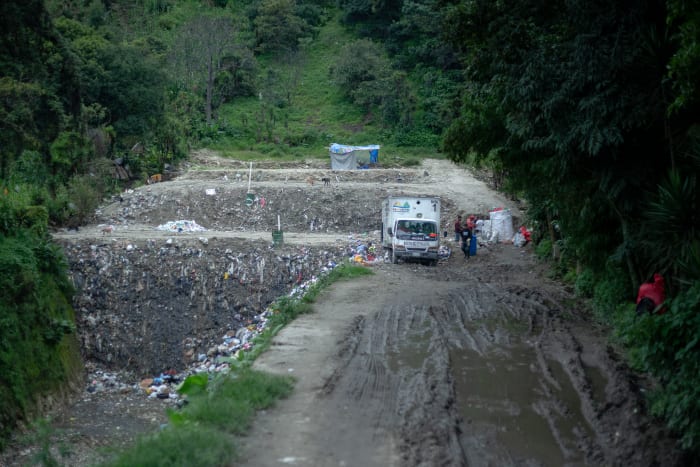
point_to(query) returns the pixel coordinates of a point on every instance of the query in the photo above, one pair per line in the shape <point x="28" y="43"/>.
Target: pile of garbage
<point x="158" y="304"/>
<point x="227" y="209"/>
<point x="217" y="359"/>
<point x="444" y="252"/>
<point x="181" y="226"/>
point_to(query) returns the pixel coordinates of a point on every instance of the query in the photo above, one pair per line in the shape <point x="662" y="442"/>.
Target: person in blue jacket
<point x="466" y="238"/>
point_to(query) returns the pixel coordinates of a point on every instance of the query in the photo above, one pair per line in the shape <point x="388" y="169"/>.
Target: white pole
<point x="250" y="175"/>
<point x="278" y="222"/>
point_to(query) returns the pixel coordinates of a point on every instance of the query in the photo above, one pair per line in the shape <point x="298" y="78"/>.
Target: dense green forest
<point x="586" y="109"/>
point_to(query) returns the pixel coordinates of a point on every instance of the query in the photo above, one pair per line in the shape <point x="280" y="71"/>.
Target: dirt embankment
<point x="473" y="362"/>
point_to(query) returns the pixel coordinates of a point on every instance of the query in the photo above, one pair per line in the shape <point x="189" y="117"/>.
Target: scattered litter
<point x="444" y="252"/>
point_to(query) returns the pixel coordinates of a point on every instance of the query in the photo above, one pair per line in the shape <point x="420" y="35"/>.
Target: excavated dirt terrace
<point x="475" y="362"/>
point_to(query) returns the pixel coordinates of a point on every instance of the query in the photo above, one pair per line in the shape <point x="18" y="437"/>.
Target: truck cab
<point x="411" y="228"/>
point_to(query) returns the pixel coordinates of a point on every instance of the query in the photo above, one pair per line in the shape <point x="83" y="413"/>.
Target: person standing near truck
<point x="466" y="239"/>
<point x="458" y="229"/>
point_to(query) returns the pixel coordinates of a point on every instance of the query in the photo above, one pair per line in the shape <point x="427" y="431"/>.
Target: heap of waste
<point x="181" y="226"/>
<point x="209" y="352"/>
<point x="322" y="210"/>
<point x="155" y="304"/>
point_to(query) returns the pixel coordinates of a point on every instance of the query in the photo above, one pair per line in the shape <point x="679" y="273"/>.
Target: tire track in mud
<point x="398" y="378"/>
<point x="524" y="317"/>
<point x="584" y="393"/>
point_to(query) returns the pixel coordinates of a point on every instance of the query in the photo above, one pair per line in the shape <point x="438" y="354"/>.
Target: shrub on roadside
<point x="668" y="347"/>
<point x="584" y="284"/>
<point x="543" y="250"/>
<point x="609" y="292"/>
<point x="85" y="196"/>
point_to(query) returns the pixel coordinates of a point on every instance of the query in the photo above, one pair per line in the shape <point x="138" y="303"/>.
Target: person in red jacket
<point x="458" y="229"/>
<point x="471" y="222"/>
<point x="651" y="295"/>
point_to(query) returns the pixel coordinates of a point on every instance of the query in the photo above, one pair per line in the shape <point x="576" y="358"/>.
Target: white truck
<point x="411" y="227"/>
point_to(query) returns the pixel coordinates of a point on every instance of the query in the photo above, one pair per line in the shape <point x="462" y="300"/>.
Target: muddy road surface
<point x="479" y="362"/>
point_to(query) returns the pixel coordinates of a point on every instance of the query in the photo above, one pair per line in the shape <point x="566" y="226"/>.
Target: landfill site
<point x="476" y="361"/>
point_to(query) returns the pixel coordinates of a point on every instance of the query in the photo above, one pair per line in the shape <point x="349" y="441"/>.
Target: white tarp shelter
<point x="344" y="157"/>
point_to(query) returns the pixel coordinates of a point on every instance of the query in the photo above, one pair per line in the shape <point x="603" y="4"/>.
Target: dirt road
<point x="474" y="363"/>
<point x="480" y="362"/>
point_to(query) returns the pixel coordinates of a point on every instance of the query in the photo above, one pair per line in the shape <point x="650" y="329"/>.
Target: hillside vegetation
<point x="586" y="110"/>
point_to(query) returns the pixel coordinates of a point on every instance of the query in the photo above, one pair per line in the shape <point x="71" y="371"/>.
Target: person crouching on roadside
<point x="651" y="296"/>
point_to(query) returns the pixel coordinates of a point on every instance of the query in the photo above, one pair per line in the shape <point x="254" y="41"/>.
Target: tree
<point x="277" y="27"/>
<point x="363" y="72"/>
<point x="38" y="81"/>
<point x="578" y="89"/>
<point x="200" y="51"/>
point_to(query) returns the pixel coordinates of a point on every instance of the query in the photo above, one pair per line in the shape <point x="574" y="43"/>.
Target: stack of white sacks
<point x="498" y="228"/>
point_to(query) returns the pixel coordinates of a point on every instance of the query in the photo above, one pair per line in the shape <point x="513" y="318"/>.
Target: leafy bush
<point x="543" y="250"/>
<point x="277" y="27"/>
<point x="19" y="274"/>
<point x="30" y="168"/>
<point x="668" y="347"/>
<point x="584" y="284"/>
<point x="409" y="136"/>
<point x="307" y="137"/>
<point x="360" y="70"/>
<point x="85" y="196"/>
<point x="59" y="207"/>
<point x="609" y="291"/>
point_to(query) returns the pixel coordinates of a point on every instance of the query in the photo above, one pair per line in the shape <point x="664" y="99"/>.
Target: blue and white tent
<point x="344" y="157"/>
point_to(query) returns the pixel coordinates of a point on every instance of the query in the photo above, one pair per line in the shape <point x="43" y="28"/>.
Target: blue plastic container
<point x="472" y="246"/>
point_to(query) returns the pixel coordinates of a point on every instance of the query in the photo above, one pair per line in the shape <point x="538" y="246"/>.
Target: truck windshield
<point x="416" y="230"/>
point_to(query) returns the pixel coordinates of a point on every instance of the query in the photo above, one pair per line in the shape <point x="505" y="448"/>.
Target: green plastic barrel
<point x="277" y="237"/>
<point x="249" y="198"/>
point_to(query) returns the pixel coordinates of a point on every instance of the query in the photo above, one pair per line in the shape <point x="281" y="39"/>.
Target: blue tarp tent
<point x="344" y="157"/>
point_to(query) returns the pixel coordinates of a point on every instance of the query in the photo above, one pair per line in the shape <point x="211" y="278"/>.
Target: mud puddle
<point x="509" y="408"/>
<point x="514" y="404"/>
